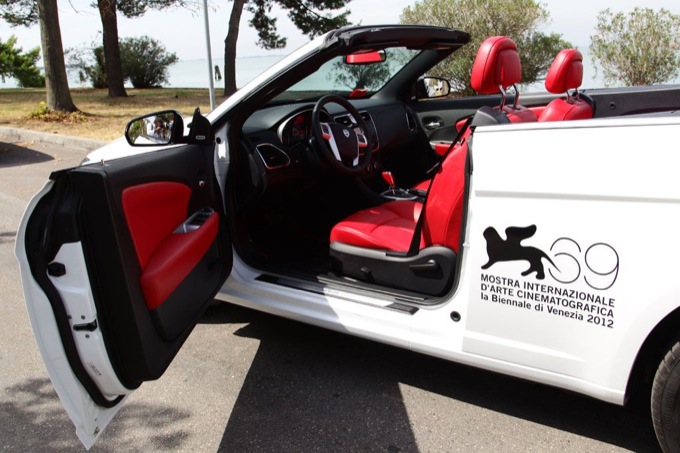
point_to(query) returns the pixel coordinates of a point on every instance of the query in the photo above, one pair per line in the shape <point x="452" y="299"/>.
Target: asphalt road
<point x="246" y="381"/>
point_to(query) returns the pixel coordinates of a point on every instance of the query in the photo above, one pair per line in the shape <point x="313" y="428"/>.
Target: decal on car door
<point x="567" y="262"/>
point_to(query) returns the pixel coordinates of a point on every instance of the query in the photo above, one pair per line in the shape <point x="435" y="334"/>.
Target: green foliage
<point x="307" y="15"/>
<point x="370" y="76"/>
<point x="366" y="76"/>
<point x="19" y="12"/>
<point x="517" y="19"/>
<point x="137" y="8"/>
<point x="90" y="64"/>
<point x="641" y="48"/>
<point x="19" y="65"/>
<point x="25" y="12"/>
<point x="145" y="61"/>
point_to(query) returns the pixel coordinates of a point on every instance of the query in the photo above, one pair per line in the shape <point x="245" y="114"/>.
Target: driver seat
<point x="382" y="244"/>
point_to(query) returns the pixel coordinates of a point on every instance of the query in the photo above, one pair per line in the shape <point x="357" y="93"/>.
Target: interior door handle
<point x="433" y="124"/>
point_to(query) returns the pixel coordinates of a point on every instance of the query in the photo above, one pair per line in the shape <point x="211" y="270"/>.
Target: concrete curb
<point x="13" y="135"/>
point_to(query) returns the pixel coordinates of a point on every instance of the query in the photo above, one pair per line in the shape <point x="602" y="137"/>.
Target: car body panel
<point x="89" y="419"/>
<point x="591" y="229"/>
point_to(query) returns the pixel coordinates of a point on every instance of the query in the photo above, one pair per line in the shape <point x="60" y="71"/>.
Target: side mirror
<point x="433" y="87"/>
<point x="377" y="56"/>
<point x="154" y="129"/>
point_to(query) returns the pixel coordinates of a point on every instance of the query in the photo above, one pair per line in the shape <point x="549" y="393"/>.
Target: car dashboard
<point x="281" y="137"/>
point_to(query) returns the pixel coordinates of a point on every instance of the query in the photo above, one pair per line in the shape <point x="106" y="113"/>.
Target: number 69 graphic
<point x="599" y="264"/>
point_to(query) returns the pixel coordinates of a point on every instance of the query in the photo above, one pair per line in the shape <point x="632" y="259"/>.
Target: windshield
<point x="340" y="78"/>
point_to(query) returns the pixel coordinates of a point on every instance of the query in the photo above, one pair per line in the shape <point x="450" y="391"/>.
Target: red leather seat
<point x="566" y="73"/>
<point x="375" y="244"/>
<point x="381" y="244"/>
<point x="497" y="67"/>
<point x="391" y="225"/>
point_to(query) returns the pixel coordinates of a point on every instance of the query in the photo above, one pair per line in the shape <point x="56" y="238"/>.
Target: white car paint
<point x="89" y="419"/>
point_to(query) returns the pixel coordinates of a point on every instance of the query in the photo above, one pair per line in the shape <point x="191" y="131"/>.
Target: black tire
<point x="666" y="401"/>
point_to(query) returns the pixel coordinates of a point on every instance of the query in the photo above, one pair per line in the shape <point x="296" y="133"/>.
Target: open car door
<point x="118" y="262"/>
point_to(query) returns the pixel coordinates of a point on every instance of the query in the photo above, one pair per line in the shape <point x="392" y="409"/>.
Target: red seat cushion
<point x="389" y="226"/>
<point x="520" y="114"/>
<point x="562" y="110"/>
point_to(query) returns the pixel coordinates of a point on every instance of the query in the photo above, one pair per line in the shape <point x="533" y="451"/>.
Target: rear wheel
<point x="666" y="401"/>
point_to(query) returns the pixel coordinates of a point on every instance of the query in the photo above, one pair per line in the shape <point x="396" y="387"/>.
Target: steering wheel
<point x="348" y="149"/>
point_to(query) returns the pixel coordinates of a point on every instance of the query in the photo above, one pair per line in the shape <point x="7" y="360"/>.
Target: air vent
<point x="345" y="120"/>
<point x="272" y="157"/>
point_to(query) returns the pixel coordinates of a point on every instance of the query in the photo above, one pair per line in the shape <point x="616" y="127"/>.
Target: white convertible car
<point x="345" y="188"/>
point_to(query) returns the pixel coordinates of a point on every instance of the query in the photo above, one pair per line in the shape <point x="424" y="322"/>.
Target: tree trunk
<point x="56" y="83"/>
<point x="112" y="62"/>
<point x="230" y="48"/>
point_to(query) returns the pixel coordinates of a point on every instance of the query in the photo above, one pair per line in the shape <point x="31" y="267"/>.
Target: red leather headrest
<point x="497" y="64"/>
<point x="566" y="72"/>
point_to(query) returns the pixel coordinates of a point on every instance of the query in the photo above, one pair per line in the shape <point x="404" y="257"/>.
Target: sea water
<point x="195" y="74"/>
<point x="188" y="73"/>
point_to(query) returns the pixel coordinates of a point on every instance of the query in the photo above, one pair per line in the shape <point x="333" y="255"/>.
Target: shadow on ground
<point x="12" y="155"/>
<point x="34" y="420"/>
<point x="310" y="389"/>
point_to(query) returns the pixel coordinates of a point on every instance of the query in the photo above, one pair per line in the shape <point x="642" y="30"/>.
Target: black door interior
<point x="156" y="245"/>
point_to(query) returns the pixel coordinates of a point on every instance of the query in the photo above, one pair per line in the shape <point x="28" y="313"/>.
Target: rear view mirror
<point x="154" y="129"/>
<point x="377" y="56"/>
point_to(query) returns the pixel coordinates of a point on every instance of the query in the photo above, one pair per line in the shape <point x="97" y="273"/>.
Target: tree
<point x="112" y="62"/>
<point x="145" y="62"/>
<point x="363" y="76"/>
<point x="90" y="64"/>
<point x="19" y="65"/>
<point x="46" y="13"/>
<point x="108" y="12"/>
<point x="309" y="16"/>
<point x="56" y="82"/>
<point x="641" y="48"/>
<point x="517" y="19"/>
<point x="24" y="12"/>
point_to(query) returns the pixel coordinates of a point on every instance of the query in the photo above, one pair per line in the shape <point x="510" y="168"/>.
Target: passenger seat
<point x="566" y="73"/>
<point x="497" y="67"/>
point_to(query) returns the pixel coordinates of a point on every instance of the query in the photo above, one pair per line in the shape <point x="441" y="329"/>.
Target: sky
<point x="182" y="31"/>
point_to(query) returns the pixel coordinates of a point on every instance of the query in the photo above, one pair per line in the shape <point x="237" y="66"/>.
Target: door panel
<point x="153" y="265"/>
<point x="438" y="117"/>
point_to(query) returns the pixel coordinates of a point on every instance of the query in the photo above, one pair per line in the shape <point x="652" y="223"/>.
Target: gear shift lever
<point x="393" y="192"/>
<point x="389" y="179"/>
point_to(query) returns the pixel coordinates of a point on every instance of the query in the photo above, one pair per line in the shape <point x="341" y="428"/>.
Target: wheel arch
<point x="653" y="350"/>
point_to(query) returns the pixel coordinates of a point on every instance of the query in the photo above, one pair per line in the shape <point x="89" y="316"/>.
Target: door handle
<point x="433" y="122"/>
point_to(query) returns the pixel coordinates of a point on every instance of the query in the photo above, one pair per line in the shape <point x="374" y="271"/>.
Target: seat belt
<point x="414" y="248"/>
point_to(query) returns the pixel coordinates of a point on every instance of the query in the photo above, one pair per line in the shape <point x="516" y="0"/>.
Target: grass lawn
<point x="102" y="118"/>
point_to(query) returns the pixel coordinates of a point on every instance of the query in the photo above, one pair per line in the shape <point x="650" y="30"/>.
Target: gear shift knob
<point x="389" y="179"/>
